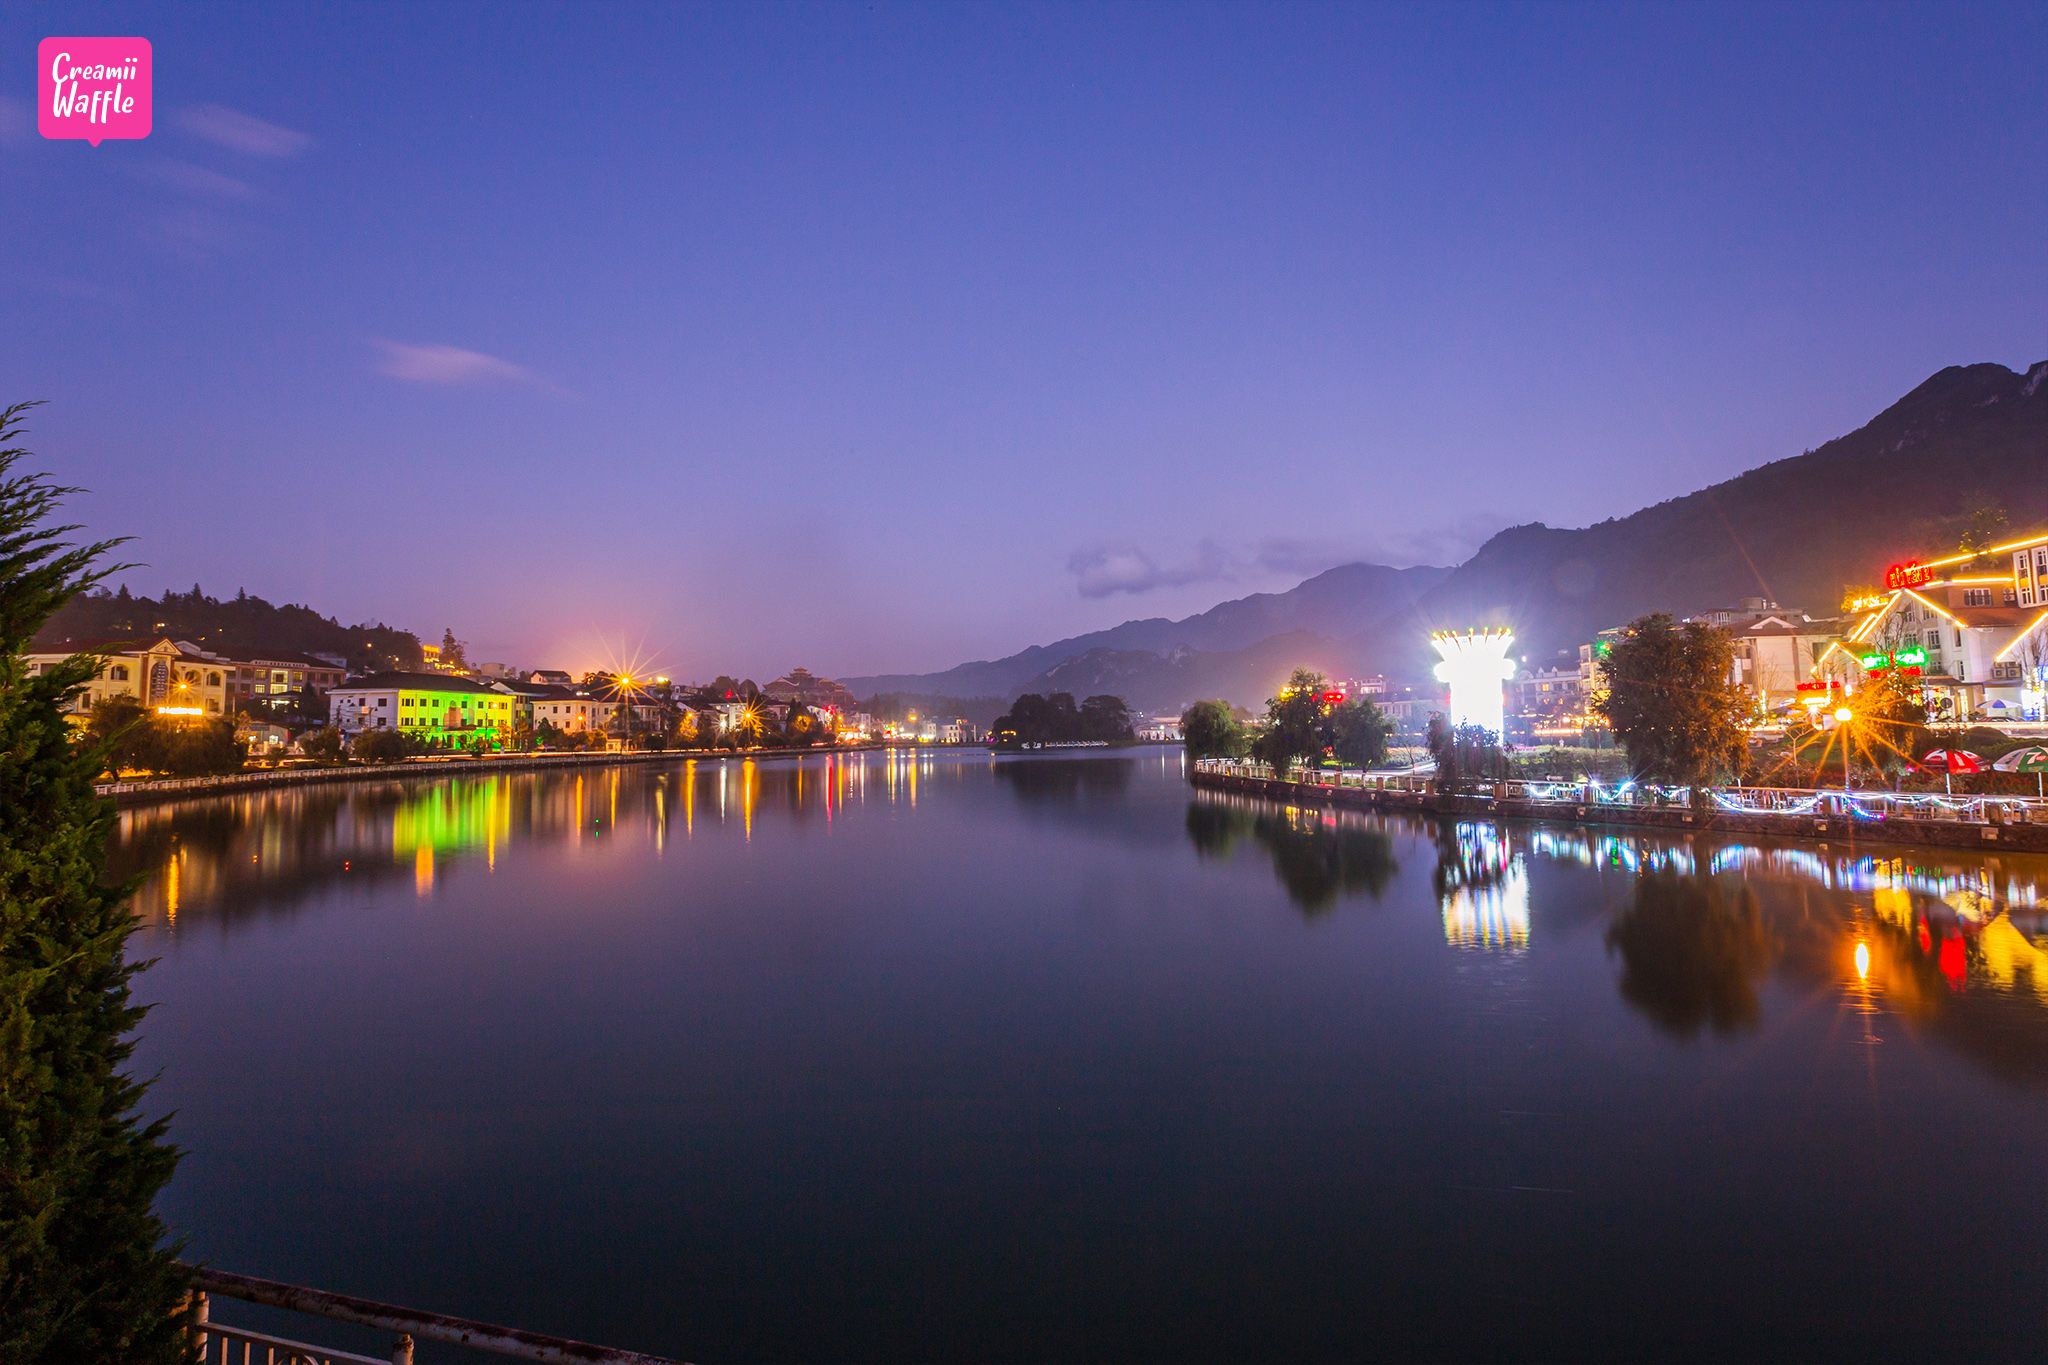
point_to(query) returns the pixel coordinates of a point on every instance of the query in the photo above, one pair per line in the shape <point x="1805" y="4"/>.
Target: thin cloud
<point x="1449" y="543"/>
<point x="1104" y="570"/>
<point x="197" y="181"/>
<point x="451" y="367"/>
<point x="242" y="132"/>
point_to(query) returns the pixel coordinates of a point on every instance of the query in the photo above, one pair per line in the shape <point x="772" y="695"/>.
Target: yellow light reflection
<point x="423" y="870"/>
<point x="1490" y="916"/>
<point x="1863" y="961"/>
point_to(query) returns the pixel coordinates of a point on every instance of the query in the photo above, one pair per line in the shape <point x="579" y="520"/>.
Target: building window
<point x="1934" y="639"/>
<point x="1976" y="597"/>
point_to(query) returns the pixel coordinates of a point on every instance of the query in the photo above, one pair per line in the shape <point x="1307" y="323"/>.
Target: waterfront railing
<point x="217" y="1343"/>
<point x="1871" y="804"/>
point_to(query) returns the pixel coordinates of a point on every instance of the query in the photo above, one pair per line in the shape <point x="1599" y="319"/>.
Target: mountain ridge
<point x="1796" y="530"/>
<point x="1340" y="601"/>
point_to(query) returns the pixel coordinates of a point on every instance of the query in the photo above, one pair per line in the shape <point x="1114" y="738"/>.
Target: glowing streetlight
<point x="1843" y="715"/>
<point x="1475" y="665"/>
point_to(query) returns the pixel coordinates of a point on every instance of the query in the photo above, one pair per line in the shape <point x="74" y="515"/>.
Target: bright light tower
<point x="1475" y="665"/>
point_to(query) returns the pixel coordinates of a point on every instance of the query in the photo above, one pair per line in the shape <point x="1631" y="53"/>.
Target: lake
<point x="906" y="1056"/>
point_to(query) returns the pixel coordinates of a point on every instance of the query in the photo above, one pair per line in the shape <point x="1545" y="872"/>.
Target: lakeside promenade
<point x="1983" y="822"/>
<point x="150" y="790"/>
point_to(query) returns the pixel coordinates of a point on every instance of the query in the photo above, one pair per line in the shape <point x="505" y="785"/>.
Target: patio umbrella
<point x="2031" y="758"/>
<point x="1950" y="761"/>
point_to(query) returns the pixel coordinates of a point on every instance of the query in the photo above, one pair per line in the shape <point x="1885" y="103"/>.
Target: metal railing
<point x="215" y="1343"/>
<point x="439" y="766"/>
<point x="1872" y="804"/>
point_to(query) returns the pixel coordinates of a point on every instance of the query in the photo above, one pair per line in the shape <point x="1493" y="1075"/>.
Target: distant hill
<point x="1339" y="603"/>
<point x="240" y="627"/>
<point x="1150" y="682"/>
<point x="1798" y="531"/>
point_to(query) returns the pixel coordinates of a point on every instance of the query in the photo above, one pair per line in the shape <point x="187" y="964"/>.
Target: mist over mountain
<point x="1340" y="602"/>
<point x="1798" y="531"/>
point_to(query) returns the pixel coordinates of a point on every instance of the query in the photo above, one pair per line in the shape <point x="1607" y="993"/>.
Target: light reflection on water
<point x="942" y="1056"/>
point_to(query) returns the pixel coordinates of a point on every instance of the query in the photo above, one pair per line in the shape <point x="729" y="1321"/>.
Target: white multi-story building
<point x="1963" y="633"/>
<point x="572" y="710"/>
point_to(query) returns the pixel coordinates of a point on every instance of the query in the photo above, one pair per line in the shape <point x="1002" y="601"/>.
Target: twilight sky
<point x="883" y="337"/>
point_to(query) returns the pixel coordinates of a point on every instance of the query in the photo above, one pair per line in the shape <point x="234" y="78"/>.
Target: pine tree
<point x="84" y="1270"/>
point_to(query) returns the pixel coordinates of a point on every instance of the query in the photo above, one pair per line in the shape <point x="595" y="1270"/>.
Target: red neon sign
<point x="1911" y="574"/>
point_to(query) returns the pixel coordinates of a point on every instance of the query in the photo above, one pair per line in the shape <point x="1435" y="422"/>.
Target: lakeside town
<point x="1962" y="633"/>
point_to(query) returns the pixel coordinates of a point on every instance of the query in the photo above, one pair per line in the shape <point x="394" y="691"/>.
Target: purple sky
<point x="883" y="337"/>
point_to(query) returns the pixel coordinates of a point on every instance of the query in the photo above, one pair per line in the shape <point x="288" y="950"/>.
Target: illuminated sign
<point x="181" y="710"/>
<point x="1910" y="656"/>
<point x="1866" y="603"/>
<point x="1911" y="574"/>
<point x="1903" y="659"/>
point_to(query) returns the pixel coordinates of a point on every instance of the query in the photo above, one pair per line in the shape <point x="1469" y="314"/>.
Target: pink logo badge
<point x="93" y="88"/>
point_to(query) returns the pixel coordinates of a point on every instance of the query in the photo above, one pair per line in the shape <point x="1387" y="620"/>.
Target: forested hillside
<point x="240" y="627"/>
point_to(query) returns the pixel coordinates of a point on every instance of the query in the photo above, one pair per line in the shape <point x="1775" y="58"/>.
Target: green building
<point x="434" y="706"/>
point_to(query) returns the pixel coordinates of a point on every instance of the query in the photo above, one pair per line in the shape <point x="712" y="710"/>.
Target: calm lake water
<point x="951" y="1057"/>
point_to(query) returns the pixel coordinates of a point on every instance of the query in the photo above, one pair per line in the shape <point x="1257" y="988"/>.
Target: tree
<point x="1054" y="719"/>
<point x="85" y="1273"/>
<point x="801" y="727"/>
<point x="1672" y="701"/>
<point x="1210" y="731"/>
<point x="1892" y="716"/>
<point x="1307" y="721"/>
<point x="126" y="735"/>
<point x="547" y="734"/>
<point x="1358" y="732"/>
<point x="1983" y="528"/>
<point x="386" y="746"/>
<point x="206" y="747"/>
<point x="452" y="651"/>
<point x="1106" y="718"/>
<point x="1464" y="754"/>
<point x="1294" y="722"/>
<point x="323" y="744"/>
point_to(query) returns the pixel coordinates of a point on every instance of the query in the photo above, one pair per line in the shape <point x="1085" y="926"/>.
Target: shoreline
<point x="1823" y="829"/>
<point x="125" y="794"/>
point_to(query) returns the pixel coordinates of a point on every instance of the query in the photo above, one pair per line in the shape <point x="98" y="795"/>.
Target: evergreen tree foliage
<point x="85" y="1272"/>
